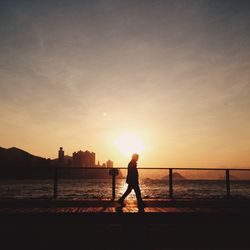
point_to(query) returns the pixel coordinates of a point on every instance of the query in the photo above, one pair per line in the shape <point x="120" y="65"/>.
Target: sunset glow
<point x="167" y="79"/>
<point x="129" y="144"/>
<point x="125" y="124"/>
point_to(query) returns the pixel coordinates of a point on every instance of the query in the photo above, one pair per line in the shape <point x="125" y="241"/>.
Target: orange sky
<point x="82" y="75"/>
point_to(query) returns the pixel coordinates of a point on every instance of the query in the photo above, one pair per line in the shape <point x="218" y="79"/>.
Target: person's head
<point x="135" y="157"/>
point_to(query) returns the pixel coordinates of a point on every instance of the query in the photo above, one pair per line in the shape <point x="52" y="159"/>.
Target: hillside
<point x="176" y="176"/>
<point x="15" y="157"/>
<point x="17" y="163"/>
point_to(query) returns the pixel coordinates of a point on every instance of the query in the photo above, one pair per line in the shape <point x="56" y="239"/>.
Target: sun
<point x="129" y="144"/>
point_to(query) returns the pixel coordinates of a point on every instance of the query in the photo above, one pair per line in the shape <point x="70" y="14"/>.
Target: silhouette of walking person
<point x="132" y="180"/>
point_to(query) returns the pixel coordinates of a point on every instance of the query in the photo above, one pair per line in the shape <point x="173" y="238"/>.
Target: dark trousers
<point x="137" y="190"/>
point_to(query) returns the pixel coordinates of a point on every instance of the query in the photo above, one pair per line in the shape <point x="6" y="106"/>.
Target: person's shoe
<point x="121" y="202"/>
<point x="141" y="210"/>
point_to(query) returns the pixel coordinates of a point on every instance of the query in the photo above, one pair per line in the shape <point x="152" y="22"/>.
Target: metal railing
<point x="114" y="172"/>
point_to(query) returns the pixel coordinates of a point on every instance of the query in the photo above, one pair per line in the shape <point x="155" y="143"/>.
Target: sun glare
<point x="129" y="144"/>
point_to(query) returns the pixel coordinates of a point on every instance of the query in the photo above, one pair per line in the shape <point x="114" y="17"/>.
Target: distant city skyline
<point x="166" y="79"/>
<point x="81" y="159"/>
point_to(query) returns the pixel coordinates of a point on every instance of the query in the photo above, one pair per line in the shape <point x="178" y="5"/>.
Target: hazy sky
<point x="79" y="74"/>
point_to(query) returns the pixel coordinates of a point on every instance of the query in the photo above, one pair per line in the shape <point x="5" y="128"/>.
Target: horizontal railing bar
<point x="114" y="173"/>
<point x="152" y="168"/>
<point x="145" y="168"/>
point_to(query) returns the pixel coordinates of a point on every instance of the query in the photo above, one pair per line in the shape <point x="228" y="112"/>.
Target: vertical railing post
<point x="55" y="182"/>
<point x="228" y="183"/>
<point x="113" y="182"/>
<point x="170" y="182"/>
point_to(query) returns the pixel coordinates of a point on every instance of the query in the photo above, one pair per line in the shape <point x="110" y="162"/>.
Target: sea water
<point x="102" y="189"/>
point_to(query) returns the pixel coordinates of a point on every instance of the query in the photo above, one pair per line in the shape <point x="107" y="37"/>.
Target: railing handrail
<point x="144" y="168"/>
<point x="114" y="173"/>
<point x="152" y="168"/>
<point x="170" y="176"/>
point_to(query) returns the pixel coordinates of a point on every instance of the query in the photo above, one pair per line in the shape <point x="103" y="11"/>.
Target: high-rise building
<point x="110" y="164"/>
<point x="90" y="158"/>
<point x="83" y="159"/>
<point x="61" y="156"/>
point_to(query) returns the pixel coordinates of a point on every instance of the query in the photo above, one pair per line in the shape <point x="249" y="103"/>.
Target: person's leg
<point x="126" y="193"/>
<point x="138" y="194"/>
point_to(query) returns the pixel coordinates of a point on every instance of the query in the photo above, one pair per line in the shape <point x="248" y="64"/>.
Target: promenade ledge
<point x="101" y="224"/>
<point x="197" y="224"/>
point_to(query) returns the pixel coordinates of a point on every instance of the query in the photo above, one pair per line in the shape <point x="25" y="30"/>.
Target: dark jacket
<point x="132" y="177"/>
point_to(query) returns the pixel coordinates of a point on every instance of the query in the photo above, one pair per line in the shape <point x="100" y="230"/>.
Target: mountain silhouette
<point x="15" y="157"/>
<point x="17" y="163"/>
<point x="176" y="176"/>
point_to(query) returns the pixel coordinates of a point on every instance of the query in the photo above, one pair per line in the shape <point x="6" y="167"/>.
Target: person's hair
<point x="135" y="156"/>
